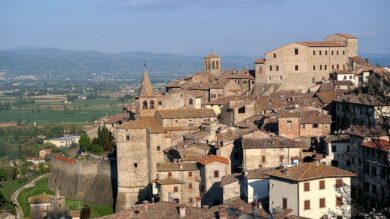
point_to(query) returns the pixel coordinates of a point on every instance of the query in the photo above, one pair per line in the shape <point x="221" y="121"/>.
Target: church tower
<point x="146" y="89"/>
<point x="212" y="64"/>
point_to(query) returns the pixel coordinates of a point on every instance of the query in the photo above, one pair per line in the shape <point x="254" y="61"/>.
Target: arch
<point x="190" y="101"/>
<point x="145" y="105"/>
<point x="217" y="64"/>
<point x="151" y="104"/>
<point x="213" y="64"/>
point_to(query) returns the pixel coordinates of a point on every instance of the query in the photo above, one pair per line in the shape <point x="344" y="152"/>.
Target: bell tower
<point x="212" y="64"/>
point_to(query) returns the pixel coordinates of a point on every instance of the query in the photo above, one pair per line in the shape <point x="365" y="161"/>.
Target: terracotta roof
<point x="321" y="44"/>
<point x="231" y="178"/>
<point x="42" y="198"/>
<point x="346" y="35"/>
<point x="310" y="171"/>
<point x="169" y="181"/>
<point x="260" y="61"/>
<point x="327" y="97"/>
<point x="147" y="122"/>
<point x="271" y="142"/>
<point x="165" y="167"/>
<point x="186" y="113"/>
<point x="379" y="144"/>
<point x="261" y="173"/>
<point x="211" y="158"/>
<point x="307" y="117"/>
<point x="363" y="99"/>
<point x="359" y="61"/>
<point x="337" y="138"/>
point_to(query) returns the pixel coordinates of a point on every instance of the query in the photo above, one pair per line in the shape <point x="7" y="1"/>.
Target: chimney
<point x="222" y="214"/>
<point x="182" y="211"/>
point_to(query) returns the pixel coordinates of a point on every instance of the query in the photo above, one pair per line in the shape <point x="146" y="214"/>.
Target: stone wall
<point x="81" y="179"/>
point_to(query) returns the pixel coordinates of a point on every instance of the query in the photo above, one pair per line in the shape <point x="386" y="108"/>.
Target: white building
<point x="256" y="185"/>
<point x="65" y="141"/>
<point x="311" y="190"/>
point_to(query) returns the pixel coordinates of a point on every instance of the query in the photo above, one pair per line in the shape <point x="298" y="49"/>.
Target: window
<point x="135" y="165"/>
<point x="169" y="174"/>
<point x="213" y="65"/>
<point x="322" y="184"/>
<point x="325" y="67"/>
<point x="382" y="173"/>
<point x="269" y="78"/>
<point x="332" y="52"/>
<point x="175" y="189"/>
<point x="274" y="55"/>
<point x="296" y="67"/>
<point x="296" y="51"/>
<point x="313" y="80"/>
<point x="322" y="202"/>
<point x="337" y="52"/>
<point x="307" y="205"/>
<point x="339" y="201"/>
<point x="189" y="174"/>
<point x="190" y="200"/>
<point x="320" y="52"/>
<point x="306" y="186"/>
<point x="320" y="67"/>
<point x="217" y="64"/>
<point x="216" y="173"/>
<point x="373" y="171"/>
<point x="289" y="124"/>
<point x="332" y="67"/>
<point x="241" y="110"/>
<point x="284" y="203"/>
<point x="326" y="52"/>
<point x="281" y="158"/>
<point x="158" y="148"/>
<point x="160" y="103"/>
<point x="145" y="105"/>
<point x="152" y="104"/>
<point x="127" y="137"/>
<point x="314" y="52"/>
<point x="277" y="68"/>
<point x="263" y="159"/>
<point x="339" y="183"/>
<point x="373" y="188"/>
<point x="190" y="101"/>
<point x="190" y="185"/>
<point x="270" y="68"/>
<point x="314" y="67"/>
<point x="315" y="125"/>
<point x="343" y="52"/>
<point x="281" y="78"/>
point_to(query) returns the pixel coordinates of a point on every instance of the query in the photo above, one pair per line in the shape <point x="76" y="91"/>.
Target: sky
<point x="192" y="27"/>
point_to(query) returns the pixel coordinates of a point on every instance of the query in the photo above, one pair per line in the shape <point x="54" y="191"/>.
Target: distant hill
<point x="127" y="64"/>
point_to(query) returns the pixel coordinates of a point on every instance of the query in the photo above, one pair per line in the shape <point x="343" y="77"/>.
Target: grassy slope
<point x="9" y="187"/>
<point x="41" y="186"/>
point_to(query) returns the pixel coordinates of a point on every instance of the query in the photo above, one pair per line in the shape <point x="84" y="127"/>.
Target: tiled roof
<point x="260" y="61"/>
<point x="346" y="35"/>
<point x="307" y="116"/>
<point x="310" y="171"/>
<point x="165" y="167"/>
<point x="231" y="178"/>
<point x="327" y="97"/>
<point x="379" y="144"/>
<point x="169" y="181"/>
<point x="261" y="173"/>
<point x="359" y="61"/>
<point x="186" y="113"/>
<point x="42" y="198"/>
<point x="271" y="142"/>
<point x="363" y="99"/>
<point x="337" y="138"/>
<point x="147" y="122"/>
<point x="211" y="158"/>
<point x="365" y="131"/>
<point x="321" y="44"/>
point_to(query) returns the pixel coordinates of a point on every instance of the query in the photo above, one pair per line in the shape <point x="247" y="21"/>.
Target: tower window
<point x="274" y="55"/>
<point x="158" y="148"/>
<point x="190" y="101"/>
<point x="213" y="65"/>
<point x="343" y="52"/>
<point x="320" y="67"/>
<point x="314" y="67"/>
<point x="337" y="52"/>
<point x="127" y="137"/>
<point x="332" y="52"/>
<point x="326" y="52"/>
<point x="314" y="52"/>
<point x="296" y="67"/>
<point x="160" y="103"/>
<point x="270" y="68"/>
<point x="277" y="68"/>
<point x="135" y="165"/>
<point x="217" y="64"/>
<point x="296" y="51"/>
<point x="151" y="104"/>
<point x="320" y="52"/>
<point x="145" y="105"/>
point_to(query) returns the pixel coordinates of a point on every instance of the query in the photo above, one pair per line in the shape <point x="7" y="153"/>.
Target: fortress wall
<point x="89" y="180"/>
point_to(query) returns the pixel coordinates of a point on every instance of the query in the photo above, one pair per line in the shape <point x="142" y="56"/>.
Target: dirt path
<point x="14" y="196"/>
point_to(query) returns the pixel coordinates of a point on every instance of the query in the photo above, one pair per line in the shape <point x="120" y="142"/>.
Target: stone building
<point x="179" y="182"/>
<point x="304" y="123"/>
<point x="310" y="190"/>
<point x="212" y="169"/>
<point x="212" y="64"/>
<point x="299" y="65"/>
<point x="40" y="205"/>
<point x="261" y="150"/>
<point x="256" y="184"/>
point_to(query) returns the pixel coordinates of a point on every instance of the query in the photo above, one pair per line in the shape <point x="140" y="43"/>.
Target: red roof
<point x="211" y="158"/>
<point x="378" y="144"/>
<point x="260" y="61"/>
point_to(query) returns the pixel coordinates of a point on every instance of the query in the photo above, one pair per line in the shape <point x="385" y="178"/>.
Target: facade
<point x="337" y="150"/>
<point x="256" y="185"/>
<point x="310" y="190"/>
<point x="65" y="141"/>
<point x="263" y="151"/>
<point x="298" y="66"/>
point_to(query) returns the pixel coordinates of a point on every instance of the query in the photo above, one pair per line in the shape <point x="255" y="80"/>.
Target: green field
<point x="9" y="187"/>
<point x="53" y="110"/>
<point x="41" y="187"/>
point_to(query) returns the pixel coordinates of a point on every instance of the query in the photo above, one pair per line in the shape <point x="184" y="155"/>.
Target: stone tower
<point x="350" y="41"/>
<point x="146" y="89"/>
<point x="212" y="64"/>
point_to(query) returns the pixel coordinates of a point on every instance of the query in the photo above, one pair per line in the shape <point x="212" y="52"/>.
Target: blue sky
<point x="193" y="27"/>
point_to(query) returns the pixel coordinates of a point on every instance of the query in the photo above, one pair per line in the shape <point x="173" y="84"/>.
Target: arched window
<point x="217" y="64"/>
<point x="160" y="103"/>
<point x="151" y="105"/>
<point x="158" y="148"/>
<point x="213" y="65"/>
<point x="145" y="105"/>
<point x="190" y="101"/>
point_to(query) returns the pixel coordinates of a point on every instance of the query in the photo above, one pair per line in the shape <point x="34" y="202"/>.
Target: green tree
<point x="84" y="142"/>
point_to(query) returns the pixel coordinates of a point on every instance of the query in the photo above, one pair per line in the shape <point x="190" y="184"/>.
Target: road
<point x="14" y="196"/>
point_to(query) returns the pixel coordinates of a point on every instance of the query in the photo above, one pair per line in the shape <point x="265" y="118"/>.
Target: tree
<point x="84" y="142"/>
